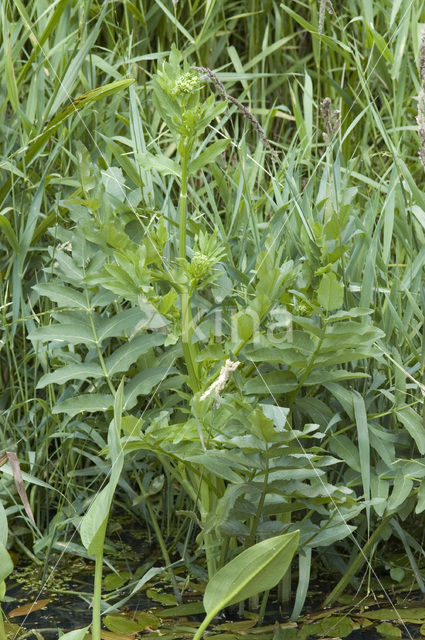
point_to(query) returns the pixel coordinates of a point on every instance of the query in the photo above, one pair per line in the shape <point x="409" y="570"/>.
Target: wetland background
<point x="212" y="241"/>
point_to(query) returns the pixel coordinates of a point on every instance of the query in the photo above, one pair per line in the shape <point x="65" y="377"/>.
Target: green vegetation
<point x="212" y="244"/>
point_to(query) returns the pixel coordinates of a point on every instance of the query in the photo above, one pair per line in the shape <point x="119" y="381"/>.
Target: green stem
<point x="97" y="591"/>
<point x="207" y="507"/>
<point x="161" y="542"/>
<point x="263" y="606"/>
<point x="183" y="207"/>
<point x="285" y="585"/>
<point x="357" y="562"/>
<point x="251" y="538"/>
<point x="198" y="635"/>
<point x="2" y="629"/>
<point x="189" y="349"/>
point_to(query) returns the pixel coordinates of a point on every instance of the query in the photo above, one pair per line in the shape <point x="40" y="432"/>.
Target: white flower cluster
<point x="220" y="383"/>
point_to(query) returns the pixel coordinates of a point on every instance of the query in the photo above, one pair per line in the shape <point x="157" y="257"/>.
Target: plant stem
<point x="161" y="543"/>
<point x="2" y="629"/>
<point x="357" y="562"/>
<point x="183" y="205"/>
<point x="97" y="591"/>
<point x="189" y="350"/>
<point x="205" y="622"/>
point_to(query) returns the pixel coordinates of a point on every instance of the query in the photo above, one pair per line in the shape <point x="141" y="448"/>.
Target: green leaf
<point x="401" y="491"/>
<point x="159" y="163"/>
<point x="71" y="372"/>
<point x="273" y="382"/>
<point x="330" y="293"/>
<point x="388" y="630"/>
<point x="207" y="156"/>
<point x="66" y="83"/>
<point x="123" y="322"/>
<point x="253" y="571"/>
<point x="414" y="425"/>
<point x="74" y="107"/>
<point x="143" y="383"/>
<point x="8" y="231"/>
<point x="87" y="402"/>
<point x="76" y="634"/>
<point x="363" y="444"/>
<point x="380" y="43"/>
<point x="63" y="296"/>
<point x="77" y="333"/>
<point x="6" y="564"/>
<point x="126" y="355"/>
<point x="92" y="527"/>
<point x="3" y="526"/>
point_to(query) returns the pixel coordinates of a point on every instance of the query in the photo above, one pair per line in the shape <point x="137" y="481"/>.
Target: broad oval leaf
<point x="255" y="570"/>
<point x="6" y="564"/>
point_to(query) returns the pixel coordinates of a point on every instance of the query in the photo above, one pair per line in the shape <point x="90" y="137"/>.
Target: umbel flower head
<point x="186" y="83"/>
<point x="206" y="255"/>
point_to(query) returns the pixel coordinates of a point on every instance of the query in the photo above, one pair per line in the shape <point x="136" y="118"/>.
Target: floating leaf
<point x="28" y="608"/>
<point x="388" y="630"/>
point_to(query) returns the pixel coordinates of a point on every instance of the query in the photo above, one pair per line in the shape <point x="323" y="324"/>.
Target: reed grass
<point x="334" y="92"/>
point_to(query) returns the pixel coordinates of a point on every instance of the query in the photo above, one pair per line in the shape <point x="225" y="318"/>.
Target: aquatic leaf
<point x="405" y="613"/>
<point x="121" y="624"/>
<point x="167" y="599"/>
<point x="28" y="608"/>
<point x="111" y="635"/>
<point x="189" y="609"/>
<point x="255" y="570"/>
<point x="388" y="630"/>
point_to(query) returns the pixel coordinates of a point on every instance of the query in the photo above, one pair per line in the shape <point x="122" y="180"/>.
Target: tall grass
<point x="87" y="179"/>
